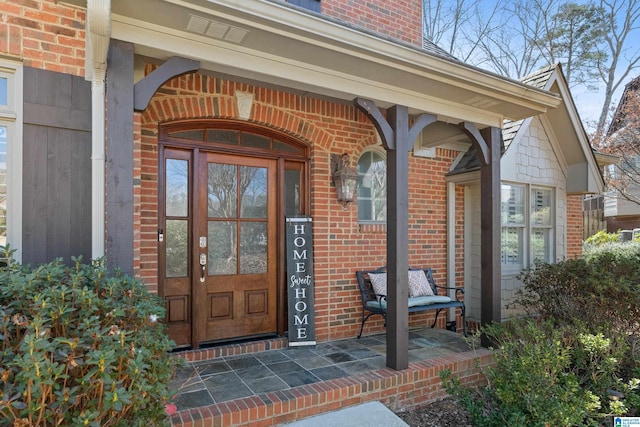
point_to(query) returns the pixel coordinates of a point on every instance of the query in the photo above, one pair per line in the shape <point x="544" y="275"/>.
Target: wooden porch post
<point x="398" y="241"/>
<point x="398" y="140"/>
<point x="488" y="143"/>
<point x="490" y="224"/>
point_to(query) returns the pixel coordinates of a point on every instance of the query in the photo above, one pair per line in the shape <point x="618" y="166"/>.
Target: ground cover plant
<point x="80" y="346"/>
<point x="574" y="358"/>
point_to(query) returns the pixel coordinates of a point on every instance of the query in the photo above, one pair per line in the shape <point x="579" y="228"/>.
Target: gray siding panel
<point x="34" y="210"/>
<point x="56" y="167"/>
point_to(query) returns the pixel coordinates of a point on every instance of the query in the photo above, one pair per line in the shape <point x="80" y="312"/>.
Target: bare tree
<point x="459" y="26"/>
<point x="622" y="18"/>
<point x="515" y="49"/>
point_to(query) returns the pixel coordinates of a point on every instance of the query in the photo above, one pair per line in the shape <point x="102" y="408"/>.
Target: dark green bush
<point x="80" y="347"/>
<point x="598" y="293"/>
<point x="573" y="359"/>
<point x="531" y="382"/>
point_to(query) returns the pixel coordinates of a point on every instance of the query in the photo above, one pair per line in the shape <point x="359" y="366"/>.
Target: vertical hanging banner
<point x="302" y="326"/>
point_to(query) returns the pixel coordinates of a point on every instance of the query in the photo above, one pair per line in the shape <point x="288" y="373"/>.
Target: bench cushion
<point x="427" y="300"/>
<point x="413" y="302"/>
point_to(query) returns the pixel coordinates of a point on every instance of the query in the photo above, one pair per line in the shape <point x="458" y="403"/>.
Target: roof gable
<point x="564" y="123"/>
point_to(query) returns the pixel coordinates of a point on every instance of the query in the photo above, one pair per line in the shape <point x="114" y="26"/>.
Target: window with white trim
<point x="528" y="222"/>
<point x="372" y="187"/>
<point x="10" y="155"/>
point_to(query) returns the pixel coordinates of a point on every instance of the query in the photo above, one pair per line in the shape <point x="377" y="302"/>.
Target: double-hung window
<point x="11" y="155"/>
<point x="527" y="235"/>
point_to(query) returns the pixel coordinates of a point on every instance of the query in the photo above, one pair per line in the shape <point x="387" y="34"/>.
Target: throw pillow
<point x="379" y="282"/>
<point x="419" y="286"/>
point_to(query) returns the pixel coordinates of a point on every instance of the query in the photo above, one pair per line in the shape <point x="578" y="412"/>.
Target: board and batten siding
<point x="56" y="167"/>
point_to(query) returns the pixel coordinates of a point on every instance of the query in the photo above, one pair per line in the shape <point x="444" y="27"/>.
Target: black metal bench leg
<point x="464" y="321"/>
<point x="364" y="319"/>
<point x="436" y="319"/>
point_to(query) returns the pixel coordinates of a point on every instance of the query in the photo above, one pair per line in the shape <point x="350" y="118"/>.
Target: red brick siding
<point x="398" y="19"/>
<point x="615" y="224"/>
<point x="43" y="33"/>
<point x="340" y="246"/>
<point x="574" y="226"/>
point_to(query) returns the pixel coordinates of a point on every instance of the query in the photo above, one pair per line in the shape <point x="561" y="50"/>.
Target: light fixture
<point x="345" y="179"/>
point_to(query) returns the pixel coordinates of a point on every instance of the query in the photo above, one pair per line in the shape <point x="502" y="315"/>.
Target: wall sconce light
<point x="345" y="179"/>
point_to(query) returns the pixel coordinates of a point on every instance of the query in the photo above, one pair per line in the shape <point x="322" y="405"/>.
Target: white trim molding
<point x="11" y="116"/>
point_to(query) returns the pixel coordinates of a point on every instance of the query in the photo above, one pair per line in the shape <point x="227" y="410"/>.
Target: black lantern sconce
<point x="345" y="179"/>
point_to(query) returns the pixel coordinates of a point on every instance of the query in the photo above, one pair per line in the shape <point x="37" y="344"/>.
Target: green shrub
<point x="80" y="347"/>
<point x="599" y="293"/>
<point x="531" y="382"/>
<point x="573" y="359"/>
<point x="601" y="238"/>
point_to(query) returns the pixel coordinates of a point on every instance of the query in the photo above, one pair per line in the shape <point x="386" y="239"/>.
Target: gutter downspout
<point x="98" y="38"/>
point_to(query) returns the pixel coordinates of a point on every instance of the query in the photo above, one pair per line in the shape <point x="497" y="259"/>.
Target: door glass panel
<point x="177" y="193"/>
<point x="253" y="191"/>
<point x="255" y="141"/>
<point x="222" y="188"/>
<point x="3" y="185"/>
<point x="292" y="192"/>
<point x="176" y="254"/>
<point x="253" y="247"/>
<point x="223" y="247"/>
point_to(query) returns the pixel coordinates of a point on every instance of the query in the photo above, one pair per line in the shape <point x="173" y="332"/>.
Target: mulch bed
<point x="441" y="413"/>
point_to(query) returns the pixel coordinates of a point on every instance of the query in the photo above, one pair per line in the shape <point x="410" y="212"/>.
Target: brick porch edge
<point x="398" y="390"/>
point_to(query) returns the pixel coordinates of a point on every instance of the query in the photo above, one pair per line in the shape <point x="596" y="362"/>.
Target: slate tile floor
<point x="227" y="378"/>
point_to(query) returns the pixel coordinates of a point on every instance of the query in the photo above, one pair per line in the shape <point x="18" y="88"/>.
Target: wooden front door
<point x="218" y="245"/>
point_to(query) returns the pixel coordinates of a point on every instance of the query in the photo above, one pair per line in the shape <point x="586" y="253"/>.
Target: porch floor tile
<point x="227" y="378"/>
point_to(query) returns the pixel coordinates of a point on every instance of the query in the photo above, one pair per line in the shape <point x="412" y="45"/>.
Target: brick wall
<point x="574" y="226"/>
<point x="45" y="34"/>
<point x="398" y="19"/>
<point x="615" y="224"/>
<point x="341" y="246"/>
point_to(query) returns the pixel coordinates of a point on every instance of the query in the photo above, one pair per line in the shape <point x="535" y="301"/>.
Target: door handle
<point x="203" y="267"/>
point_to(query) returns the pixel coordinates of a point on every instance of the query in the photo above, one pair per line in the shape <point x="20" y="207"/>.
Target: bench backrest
<point x="366" y="288"/>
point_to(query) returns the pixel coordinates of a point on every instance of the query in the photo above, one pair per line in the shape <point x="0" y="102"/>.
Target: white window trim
<point x="11" y="117"/>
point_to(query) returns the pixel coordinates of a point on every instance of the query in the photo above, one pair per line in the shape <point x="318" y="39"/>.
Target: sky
<point x="588" y="102"/>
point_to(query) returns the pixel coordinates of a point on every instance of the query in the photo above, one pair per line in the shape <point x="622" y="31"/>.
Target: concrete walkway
<point x="371" y="414"/>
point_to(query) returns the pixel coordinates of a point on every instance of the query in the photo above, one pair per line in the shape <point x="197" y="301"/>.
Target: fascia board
<point x="229" y="58"/>
<point x="318" y="29"/>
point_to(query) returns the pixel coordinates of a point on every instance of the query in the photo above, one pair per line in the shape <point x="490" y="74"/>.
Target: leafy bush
<point x="598" y="293"/>
<point x="531" y="382"/>
<point x="601" y="238"/>
<point x="574" y="358"/>
<point x="80" y="347"/>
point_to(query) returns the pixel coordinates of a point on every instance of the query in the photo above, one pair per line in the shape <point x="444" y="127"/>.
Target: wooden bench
<point x="373" y="303"/>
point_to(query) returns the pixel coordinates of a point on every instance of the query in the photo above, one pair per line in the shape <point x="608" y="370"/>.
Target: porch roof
<point x="273" y="43"/>
<point x="583" y="174"/>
